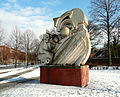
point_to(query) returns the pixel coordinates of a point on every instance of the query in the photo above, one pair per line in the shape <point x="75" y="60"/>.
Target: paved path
<point x="12" y="84"/>
<point x="18" y="76"/>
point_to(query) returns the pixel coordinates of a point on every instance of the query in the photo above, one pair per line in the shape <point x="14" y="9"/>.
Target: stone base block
<point x="65" y="75"/>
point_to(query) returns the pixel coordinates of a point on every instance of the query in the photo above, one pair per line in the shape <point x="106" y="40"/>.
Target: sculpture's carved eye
<point x="47" y="61"/>
<point x="43" y="62"/>
<point x="47" y="37"/>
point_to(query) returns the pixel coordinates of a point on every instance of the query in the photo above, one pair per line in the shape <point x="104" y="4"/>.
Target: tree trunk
<point x="16" y="59"/>
<point x="27" y="58"/>
<point x="109" y="53"/>
<point x="108" y="31"/>
<point x="2" y="55"/>
<point x="109" y="49"/>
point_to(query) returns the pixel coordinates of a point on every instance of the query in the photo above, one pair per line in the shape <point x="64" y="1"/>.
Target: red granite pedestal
<point x="65" y="75"/>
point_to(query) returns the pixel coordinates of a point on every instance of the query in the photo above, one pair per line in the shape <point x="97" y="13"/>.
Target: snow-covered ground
<point x="103" y="83"/>
<point x="21" y="73"/>
<point x="28" y="75"/>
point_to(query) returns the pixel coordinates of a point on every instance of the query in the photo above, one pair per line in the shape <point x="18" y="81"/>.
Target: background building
<point x="8" y="55"/>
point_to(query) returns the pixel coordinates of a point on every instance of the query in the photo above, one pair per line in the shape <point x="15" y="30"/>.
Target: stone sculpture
<point x="72" y="44"/>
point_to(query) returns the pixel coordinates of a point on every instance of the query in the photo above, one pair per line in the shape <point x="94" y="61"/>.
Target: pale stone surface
<point x="71" y="45"/>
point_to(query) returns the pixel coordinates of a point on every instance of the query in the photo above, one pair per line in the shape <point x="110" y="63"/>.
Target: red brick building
<point x="8" y="55"/>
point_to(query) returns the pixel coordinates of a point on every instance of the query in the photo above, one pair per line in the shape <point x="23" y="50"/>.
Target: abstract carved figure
<point x="71" y="45"/>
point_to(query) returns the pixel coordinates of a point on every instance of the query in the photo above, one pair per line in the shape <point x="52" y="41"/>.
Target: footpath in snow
<point x="103" y="83"/>
<point x="18" y="74"/>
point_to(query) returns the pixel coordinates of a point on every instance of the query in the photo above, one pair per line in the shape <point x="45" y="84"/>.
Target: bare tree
<point x="95" y="34"/>
<point x="106" y="14"/>
<point x="116" y="40"/>
<point x="2" y="34"/>
<point x="1" y="42"/>
<point x="14" y="42"/>
<point x="27" y="43"/>
<point x="35" y="50"/>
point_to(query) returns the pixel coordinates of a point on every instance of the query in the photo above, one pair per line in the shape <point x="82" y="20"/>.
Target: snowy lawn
<point x="103" y="83"/>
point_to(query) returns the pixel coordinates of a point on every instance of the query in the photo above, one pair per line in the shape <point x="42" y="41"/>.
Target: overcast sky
<point x="36" y="15"/>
